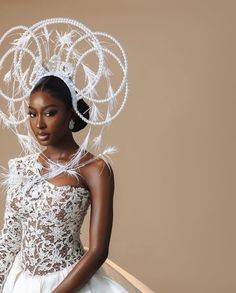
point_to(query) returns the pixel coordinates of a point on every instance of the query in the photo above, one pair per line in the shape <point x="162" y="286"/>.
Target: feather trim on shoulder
<point x="10" y="176"/>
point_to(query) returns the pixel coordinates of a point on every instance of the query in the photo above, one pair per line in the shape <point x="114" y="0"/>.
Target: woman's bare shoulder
<point x="98" y="175"/>
<point x="94" y="164"/>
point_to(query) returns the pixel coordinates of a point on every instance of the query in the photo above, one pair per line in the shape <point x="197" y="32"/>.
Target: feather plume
<point x="105" y="155"/>
<point x="106" y="72"/>
<point x="97" y="141"/>
<point x="112" y="99"/>
<point x="46" y="33"/>
<point x="110" y="150"/>
<point x="64" y="39"/>
<point x="4" y="177"/>
<point x="22" y="41"/>
<point x="73" y="173"/>
<point x="27" y="143"/>
<point x="7" y="77"/>
<point x="95" y="113"/>
<point x="108" y="117"/>
<point x="89" y="74"/>
<point x="21" y="112"/>
<point x="86" y="140"/>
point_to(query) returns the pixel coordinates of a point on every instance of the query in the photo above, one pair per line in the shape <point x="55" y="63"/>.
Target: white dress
<point x="40" y="241"/>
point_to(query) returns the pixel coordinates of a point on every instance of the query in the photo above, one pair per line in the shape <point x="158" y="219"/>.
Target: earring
<point x="71" y="124"/>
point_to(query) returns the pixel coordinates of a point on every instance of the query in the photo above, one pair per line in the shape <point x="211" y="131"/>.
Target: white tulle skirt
<point x="110" y="278"/>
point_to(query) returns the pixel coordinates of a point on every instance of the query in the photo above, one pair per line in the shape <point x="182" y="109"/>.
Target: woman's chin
<point x="43" y="142"/>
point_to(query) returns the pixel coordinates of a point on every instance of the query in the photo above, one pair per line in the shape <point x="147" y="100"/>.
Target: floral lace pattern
<point x="42" y="221"/>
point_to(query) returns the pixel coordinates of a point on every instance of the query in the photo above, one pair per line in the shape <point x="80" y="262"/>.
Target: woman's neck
<point x="63" y="150"/>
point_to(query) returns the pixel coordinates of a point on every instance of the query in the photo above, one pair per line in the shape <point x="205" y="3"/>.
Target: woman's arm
<point x="10" y="235"/>
<point x="100" y="180"/>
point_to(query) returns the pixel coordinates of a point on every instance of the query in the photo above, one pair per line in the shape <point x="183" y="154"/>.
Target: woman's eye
<point x="47" y="114"/>
<point x="50" y="113"/>
<point x="32" y="115"/>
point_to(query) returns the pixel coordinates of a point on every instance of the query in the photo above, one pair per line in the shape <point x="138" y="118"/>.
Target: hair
<point x="56" y="87"/>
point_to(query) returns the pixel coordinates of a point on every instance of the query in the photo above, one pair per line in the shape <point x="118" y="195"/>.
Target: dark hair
<point x="56" y="87"/>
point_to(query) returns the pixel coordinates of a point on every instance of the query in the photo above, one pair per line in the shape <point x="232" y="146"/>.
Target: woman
<point x="49" y="191"/>
<point x="50" y="112"/>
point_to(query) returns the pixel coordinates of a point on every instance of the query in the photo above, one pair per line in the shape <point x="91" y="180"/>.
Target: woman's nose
<point x="40" y="122"/>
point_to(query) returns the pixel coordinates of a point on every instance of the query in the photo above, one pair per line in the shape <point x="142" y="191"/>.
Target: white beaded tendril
<point x="30" y="34"/>
<point x="50" y="51"/>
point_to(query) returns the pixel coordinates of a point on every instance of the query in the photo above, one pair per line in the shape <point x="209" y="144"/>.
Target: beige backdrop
<point x="174" y="220"/>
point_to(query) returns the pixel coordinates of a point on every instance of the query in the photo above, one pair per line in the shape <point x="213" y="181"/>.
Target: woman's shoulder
<point x="18" y="162"/>
<point x="92" y="162"/>
<point x="98" y="175"/>
<point x="18" y="168"/>
<point x="95" y="167"/>
<point x="22" y="158"/>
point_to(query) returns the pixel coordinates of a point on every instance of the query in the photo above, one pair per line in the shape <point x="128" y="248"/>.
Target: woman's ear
<point x="72" y="114"/>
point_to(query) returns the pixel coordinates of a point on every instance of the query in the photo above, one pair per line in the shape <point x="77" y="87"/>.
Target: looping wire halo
<point x="61" y="47"/>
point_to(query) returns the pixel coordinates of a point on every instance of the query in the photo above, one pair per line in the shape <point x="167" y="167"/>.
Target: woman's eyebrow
<point x="51" y="105"/>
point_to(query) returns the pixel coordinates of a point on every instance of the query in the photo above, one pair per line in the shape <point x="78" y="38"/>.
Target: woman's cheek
<point x="32" y="127"/>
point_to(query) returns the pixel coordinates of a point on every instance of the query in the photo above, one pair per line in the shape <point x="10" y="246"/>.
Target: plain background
<point x="174" y="208"/>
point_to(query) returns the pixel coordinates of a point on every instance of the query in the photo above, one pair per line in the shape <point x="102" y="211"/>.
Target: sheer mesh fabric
<point x="41" y="220"/>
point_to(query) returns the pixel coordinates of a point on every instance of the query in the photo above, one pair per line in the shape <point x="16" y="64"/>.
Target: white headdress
<point x="83" y="59"/>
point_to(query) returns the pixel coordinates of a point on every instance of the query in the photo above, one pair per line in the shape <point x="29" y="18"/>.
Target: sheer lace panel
<point x="42" y="221"/>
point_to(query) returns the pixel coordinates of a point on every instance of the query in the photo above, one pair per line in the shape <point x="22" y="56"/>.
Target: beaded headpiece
<point x="86" y="61"/>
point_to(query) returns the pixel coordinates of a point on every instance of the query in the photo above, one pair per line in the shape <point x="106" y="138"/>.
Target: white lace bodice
<point x="42" y="221"/>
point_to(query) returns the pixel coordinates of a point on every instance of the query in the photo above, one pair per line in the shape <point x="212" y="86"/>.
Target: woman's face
<point x="49" y="118"/>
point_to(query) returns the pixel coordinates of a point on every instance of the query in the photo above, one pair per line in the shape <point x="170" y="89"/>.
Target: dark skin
<point x="96" y="177"/>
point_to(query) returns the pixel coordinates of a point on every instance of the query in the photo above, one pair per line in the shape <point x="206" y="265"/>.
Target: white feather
<point x="64" y="39"/>
<point x="112" y="99"/>
<point x="73" y="173"/>
<point x="22" y="41"/>
<point x="7" y="77"/>
<point x="21" y="112"/>
<point x="46" y="33"/>
<point x="97" y="141"/>
<point x="86" y="140"/>
<point x="106" y="72"/>
<point x="26" y="142"/>
<point x="108" y="116"/>
<point x="110" y="150"/>
<point x="95" y="113"/>
<point x="105" y="155"/>
<point x="89" y="74"/>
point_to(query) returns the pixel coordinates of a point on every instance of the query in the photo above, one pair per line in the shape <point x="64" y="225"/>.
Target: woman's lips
<point x="43" y="136"/>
